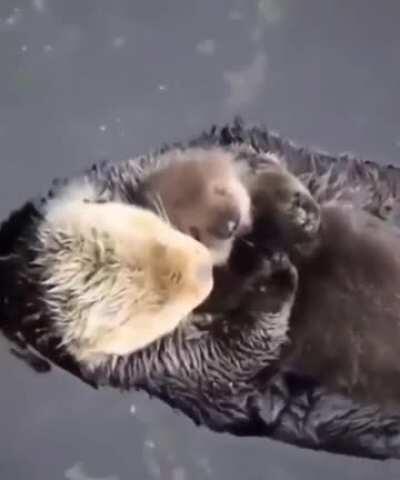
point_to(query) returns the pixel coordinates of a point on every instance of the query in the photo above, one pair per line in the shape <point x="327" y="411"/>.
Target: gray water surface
<point x="82" y="80"/>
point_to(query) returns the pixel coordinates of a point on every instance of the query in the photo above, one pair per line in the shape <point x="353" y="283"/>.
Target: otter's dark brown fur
<point x="284" y="213"/>
<point x="221" y="370"/>
<point x="349" y="287"/>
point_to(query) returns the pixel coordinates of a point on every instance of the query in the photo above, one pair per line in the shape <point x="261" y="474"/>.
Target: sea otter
<point x="212" y="367"/>
<point x="116" y="277"/>
<point x="68" y="278"/>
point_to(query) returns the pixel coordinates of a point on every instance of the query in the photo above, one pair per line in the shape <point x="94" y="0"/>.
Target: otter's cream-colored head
<point x="202" y="194"/>
<point x="180" y="265"/>
<point x="117" y="277"/>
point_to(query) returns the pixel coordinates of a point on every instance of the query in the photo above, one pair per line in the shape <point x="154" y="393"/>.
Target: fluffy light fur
<point x="203" y="194"/>
<point x="116" y="276"/>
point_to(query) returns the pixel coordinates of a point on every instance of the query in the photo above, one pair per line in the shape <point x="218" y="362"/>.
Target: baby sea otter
<point x="203" y="194"/>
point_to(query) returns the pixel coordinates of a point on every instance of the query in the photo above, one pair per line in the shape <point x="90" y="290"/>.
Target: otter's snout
<point x="225" y="230"/>
<point x="225" y="226"/>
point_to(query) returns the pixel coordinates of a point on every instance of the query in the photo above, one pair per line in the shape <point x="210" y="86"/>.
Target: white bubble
<point x="235" y="15"/>
<point x="119" y="42"/>
<point x="206" y="47"/>
<point x="39" y="5"/>
<point x="102" y="128"/>
<point x="14" y="18"/>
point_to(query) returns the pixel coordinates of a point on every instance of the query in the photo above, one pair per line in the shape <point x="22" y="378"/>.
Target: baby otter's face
<point x="220" y="213"/>
<point x="204" y="197"/>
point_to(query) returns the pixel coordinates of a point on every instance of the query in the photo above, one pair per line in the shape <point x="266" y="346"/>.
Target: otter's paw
<point x="281" y="270"/>
<point x="272" y="285"/>
<point x="304" y="213"/>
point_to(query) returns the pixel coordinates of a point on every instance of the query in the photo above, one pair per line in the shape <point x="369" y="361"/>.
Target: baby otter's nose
<point x="225" y="228"/>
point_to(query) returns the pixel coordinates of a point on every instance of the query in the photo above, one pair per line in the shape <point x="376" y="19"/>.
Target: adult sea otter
<point x="277" y="402"/>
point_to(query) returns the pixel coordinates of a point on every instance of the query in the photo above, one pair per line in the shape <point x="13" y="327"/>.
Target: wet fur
<point x="116" y="277"/>
<point x="255" y="329"/>
<point x="350" y="287"/>
<point x="219" y="369"/>
<point x="348" y="260"/>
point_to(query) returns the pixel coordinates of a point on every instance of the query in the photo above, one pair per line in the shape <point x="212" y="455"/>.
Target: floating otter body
<point x="222" y="370"/>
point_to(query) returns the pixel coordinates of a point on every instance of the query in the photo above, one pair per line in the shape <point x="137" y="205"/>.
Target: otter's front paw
<point x="304" y="213"/>
<point x="273" y="284"/>
<point x="284" y="210"/>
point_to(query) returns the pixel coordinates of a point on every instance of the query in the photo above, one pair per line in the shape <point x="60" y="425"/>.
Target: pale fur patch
<point x="117" y="277"/>
<point x="216" y="168"/>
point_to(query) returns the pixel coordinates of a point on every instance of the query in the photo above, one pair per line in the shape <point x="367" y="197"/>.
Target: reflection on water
<point x="83" y="80"/>
<point x="77" y="472"/>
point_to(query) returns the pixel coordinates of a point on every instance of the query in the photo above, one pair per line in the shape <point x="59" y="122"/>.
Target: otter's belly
<point x="346" y="334"/>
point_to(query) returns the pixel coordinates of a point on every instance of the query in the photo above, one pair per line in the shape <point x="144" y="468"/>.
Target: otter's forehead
<point x="216" y="158"/>
<point x="193" y="172"/>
